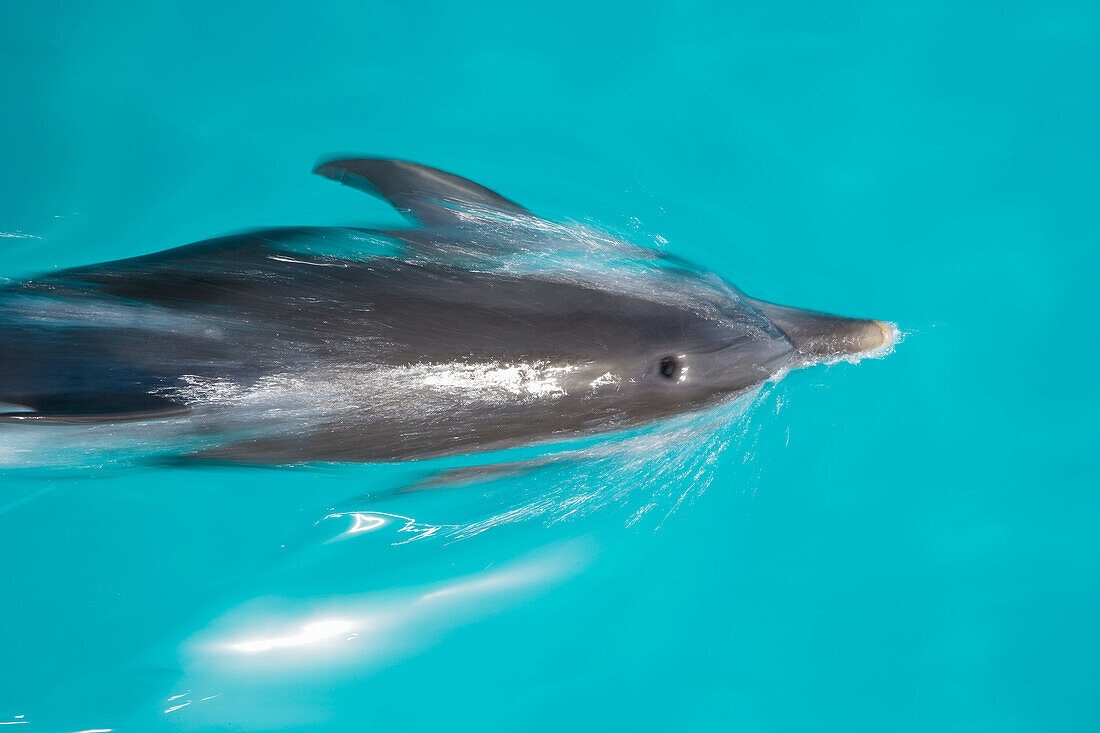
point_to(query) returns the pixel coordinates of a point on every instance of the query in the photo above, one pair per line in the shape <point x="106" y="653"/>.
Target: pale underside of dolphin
<point x="481" y="327"/>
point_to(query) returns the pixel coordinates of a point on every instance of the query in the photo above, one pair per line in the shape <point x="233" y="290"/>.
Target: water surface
<point x="904" y="544"/>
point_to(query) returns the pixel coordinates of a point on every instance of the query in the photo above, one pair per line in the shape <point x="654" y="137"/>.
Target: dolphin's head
<point x="686" y="359"/>
<point x="666" y="358"/>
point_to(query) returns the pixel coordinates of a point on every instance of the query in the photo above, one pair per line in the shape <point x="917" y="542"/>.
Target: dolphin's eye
<point x="669" y="367"/>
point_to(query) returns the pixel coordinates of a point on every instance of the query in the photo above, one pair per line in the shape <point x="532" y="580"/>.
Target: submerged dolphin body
<point x="483" y="327"/>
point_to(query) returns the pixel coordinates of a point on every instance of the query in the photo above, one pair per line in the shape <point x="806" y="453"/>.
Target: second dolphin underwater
<point x="483" y="327"/>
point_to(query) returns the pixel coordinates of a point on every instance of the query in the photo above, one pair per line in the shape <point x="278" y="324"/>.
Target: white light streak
<point x="310" y="633"/>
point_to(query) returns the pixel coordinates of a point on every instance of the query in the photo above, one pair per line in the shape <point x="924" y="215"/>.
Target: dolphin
<point x="480" y="327"/>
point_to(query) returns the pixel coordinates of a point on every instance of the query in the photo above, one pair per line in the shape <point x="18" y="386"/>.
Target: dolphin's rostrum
<point x="481" y="327"/>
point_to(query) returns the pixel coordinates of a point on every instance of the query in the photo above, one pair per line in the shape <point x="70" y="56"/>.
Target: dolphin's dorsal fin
<point x="426" y="195"/>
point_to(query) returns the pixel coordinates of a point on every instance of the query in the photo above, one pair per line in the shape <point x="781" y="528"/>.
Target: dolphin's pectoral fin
<point x="426" y="195"/>
<point x="820" y="337"/>
<point x="89" y="408"/>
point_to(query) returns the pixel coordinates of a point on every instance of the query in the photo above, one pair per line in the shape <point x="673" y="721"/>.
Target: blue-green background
<point x="913" y="544"/>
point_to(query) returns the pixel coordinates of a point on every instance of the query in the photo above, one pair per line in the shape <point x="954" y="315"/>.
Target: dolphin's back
<point x="116" y="340"/>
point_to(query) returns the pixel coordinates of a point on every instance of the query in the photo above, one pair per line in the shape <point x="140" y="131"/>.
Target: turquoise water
<point x="903" y="544"/>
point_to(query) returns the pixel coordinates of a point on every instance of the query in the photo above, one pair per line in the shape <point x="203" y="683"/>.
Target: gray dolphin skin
<point x="480" y="327"/>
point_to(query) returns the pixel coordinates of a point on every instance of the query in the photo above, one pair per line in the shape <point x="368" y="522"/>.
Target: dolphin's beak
<point x="821" y="337"/>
